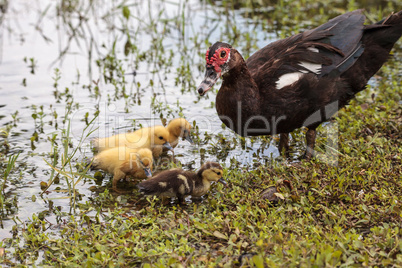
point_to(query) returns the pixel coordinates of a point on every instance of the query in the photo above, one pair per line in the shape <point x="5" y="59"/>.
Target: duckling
<point x="154" y="138"/>
<point x="124" y="161"/>
<point x="180" y="183"/>
<point x="178" y="128"/>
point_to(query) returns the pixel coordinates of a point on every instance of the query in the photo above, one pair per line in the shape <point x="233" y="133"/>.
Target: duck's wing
<point x="329" y="49"/>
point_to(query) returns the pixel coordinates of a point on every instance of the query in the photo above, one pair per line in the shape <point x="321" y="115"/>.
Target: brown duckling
<point x="180" y="183"/>
<point x="154" y="138"/>
<point x="123" y="161"/>
<point x="179" y="128"/>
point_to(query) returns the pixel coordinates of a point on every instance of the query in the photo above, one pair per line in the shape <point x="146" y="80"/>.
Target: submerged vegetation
<point x="106" y="67"/>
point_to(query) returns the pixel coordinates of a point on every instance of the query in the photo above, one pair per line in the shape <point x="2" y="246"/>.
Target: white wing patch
<point x="313" y="49"/>
<point x="312" y="67"/>
<point x="287" y="79"/>
<point x="290" y="78"/>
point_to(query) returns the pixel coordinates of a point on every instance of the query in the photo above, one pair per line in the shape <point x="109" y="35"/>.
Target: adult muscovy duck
<point x="301" y="80"/>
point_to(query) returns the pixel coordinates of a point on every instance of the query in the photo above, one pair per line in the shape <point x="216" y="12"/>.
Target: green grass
<point x="336" y="216"/>
<point x="341" y="213"/>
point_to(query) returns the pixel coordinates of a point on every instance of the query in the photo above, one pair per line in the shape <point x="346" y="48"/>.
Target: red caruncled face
<point x="218" y="59"/>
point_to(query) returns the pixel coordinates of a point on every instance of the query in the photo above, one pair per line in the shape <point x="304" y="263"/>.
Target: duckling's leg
<point x="310" y="142"/>
<point x="284" y="144"/>
<point x="118" y="175"/>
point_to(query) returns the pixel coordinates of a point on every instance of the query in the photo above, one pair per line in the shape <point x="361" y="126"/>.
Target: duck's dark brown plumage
<point x="301" y="80"/>
<point x="180" y="183"/>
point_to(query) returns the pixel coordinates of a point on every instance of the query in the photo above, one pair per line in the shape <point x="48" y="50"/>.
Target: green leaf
<point x="258" y="261"/>
<point x="220" y="235"/>
<point x="279" y="195"/>
<point x="126" y="12"/>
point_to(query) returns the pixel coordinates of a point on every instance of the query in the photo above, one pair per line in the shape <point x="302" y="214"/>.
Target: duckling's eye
<point x="223" y="54"/>
<point x="218" y="173"/>
<point x="160" y="137"/>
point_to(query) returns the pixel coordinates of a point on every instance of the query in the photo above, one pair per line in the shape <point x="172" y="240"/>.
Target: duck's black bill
<point x="211" y="77"/>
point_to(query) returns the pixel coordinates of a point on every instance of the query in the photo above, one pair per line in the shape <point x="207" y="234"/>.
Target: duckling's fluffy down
<point x="179" y="183"/>
<point x="123" y="161"/>
<point x="178" y="128"/>
<point x="153" y="138"/>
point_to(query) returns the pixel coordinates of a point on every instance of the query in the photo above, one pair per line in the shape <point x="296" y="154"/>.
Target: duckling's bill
<point x="221" y="180"/>
<point x="148" y="172"/>
<point x="187" y="136"/>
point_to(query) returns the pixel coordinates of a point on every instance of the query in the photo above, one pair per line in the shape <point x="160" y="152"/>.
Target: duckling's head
<point x="160" y="136"/>
<point x="145" y="160"/>
<point x="212" y="171"/>
<point x="180" y="127"/>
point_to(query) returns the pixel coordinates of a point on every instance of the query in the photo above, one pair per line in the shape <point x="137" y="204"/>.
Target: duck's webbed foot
<point x="180" y="199"/>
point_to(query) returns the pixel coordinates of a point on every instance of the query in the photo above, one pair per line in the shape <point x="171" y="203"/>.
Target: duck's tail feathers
<point x="377" y="41"/>
<point x="386" y="32"/>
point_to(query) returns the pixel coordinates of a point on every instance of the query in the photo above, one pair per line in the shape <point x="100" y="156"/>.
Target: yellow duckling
<point x="180" y="183"/>
<point x="179" y="128"/>
<point x="123" y="161"/>
<point x="154" y="138"/>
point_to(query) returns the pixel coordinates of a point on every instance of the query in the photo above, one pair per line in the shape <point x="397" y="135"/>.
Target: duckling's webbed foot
<point x="120" y="191"/>
<point x="310" y="142"/>
<point x="118" y="176"/>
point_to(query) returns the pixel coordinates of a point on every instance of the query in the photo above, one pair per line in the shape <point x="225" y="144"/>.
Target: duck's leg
<point x="180" y="199"/>
<point x="284" y="144"/>
<point x="310" y="142"/>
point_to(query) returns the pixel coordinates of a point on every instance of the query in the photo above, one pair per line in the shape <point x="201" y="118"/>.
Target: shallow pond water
<point x="63" y="66"/>
<point x="71" y="71"/>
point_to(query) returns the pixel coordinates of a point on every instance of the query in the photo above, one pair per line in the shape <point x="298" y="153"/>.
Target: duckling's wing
<point x="146" y="188"/>
<point x="165" y="183"/>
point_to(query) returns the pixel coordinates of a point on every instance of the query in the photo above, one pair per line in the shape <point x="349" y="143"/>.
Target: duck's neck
<point x="238" y="99"/>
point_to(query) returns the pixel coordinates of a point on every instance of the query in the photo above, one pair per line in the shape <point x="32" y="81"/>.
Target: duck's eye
<point x="222" y="54"/>
<point x="218" y="173"/>
<point x="160" y="137"/>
